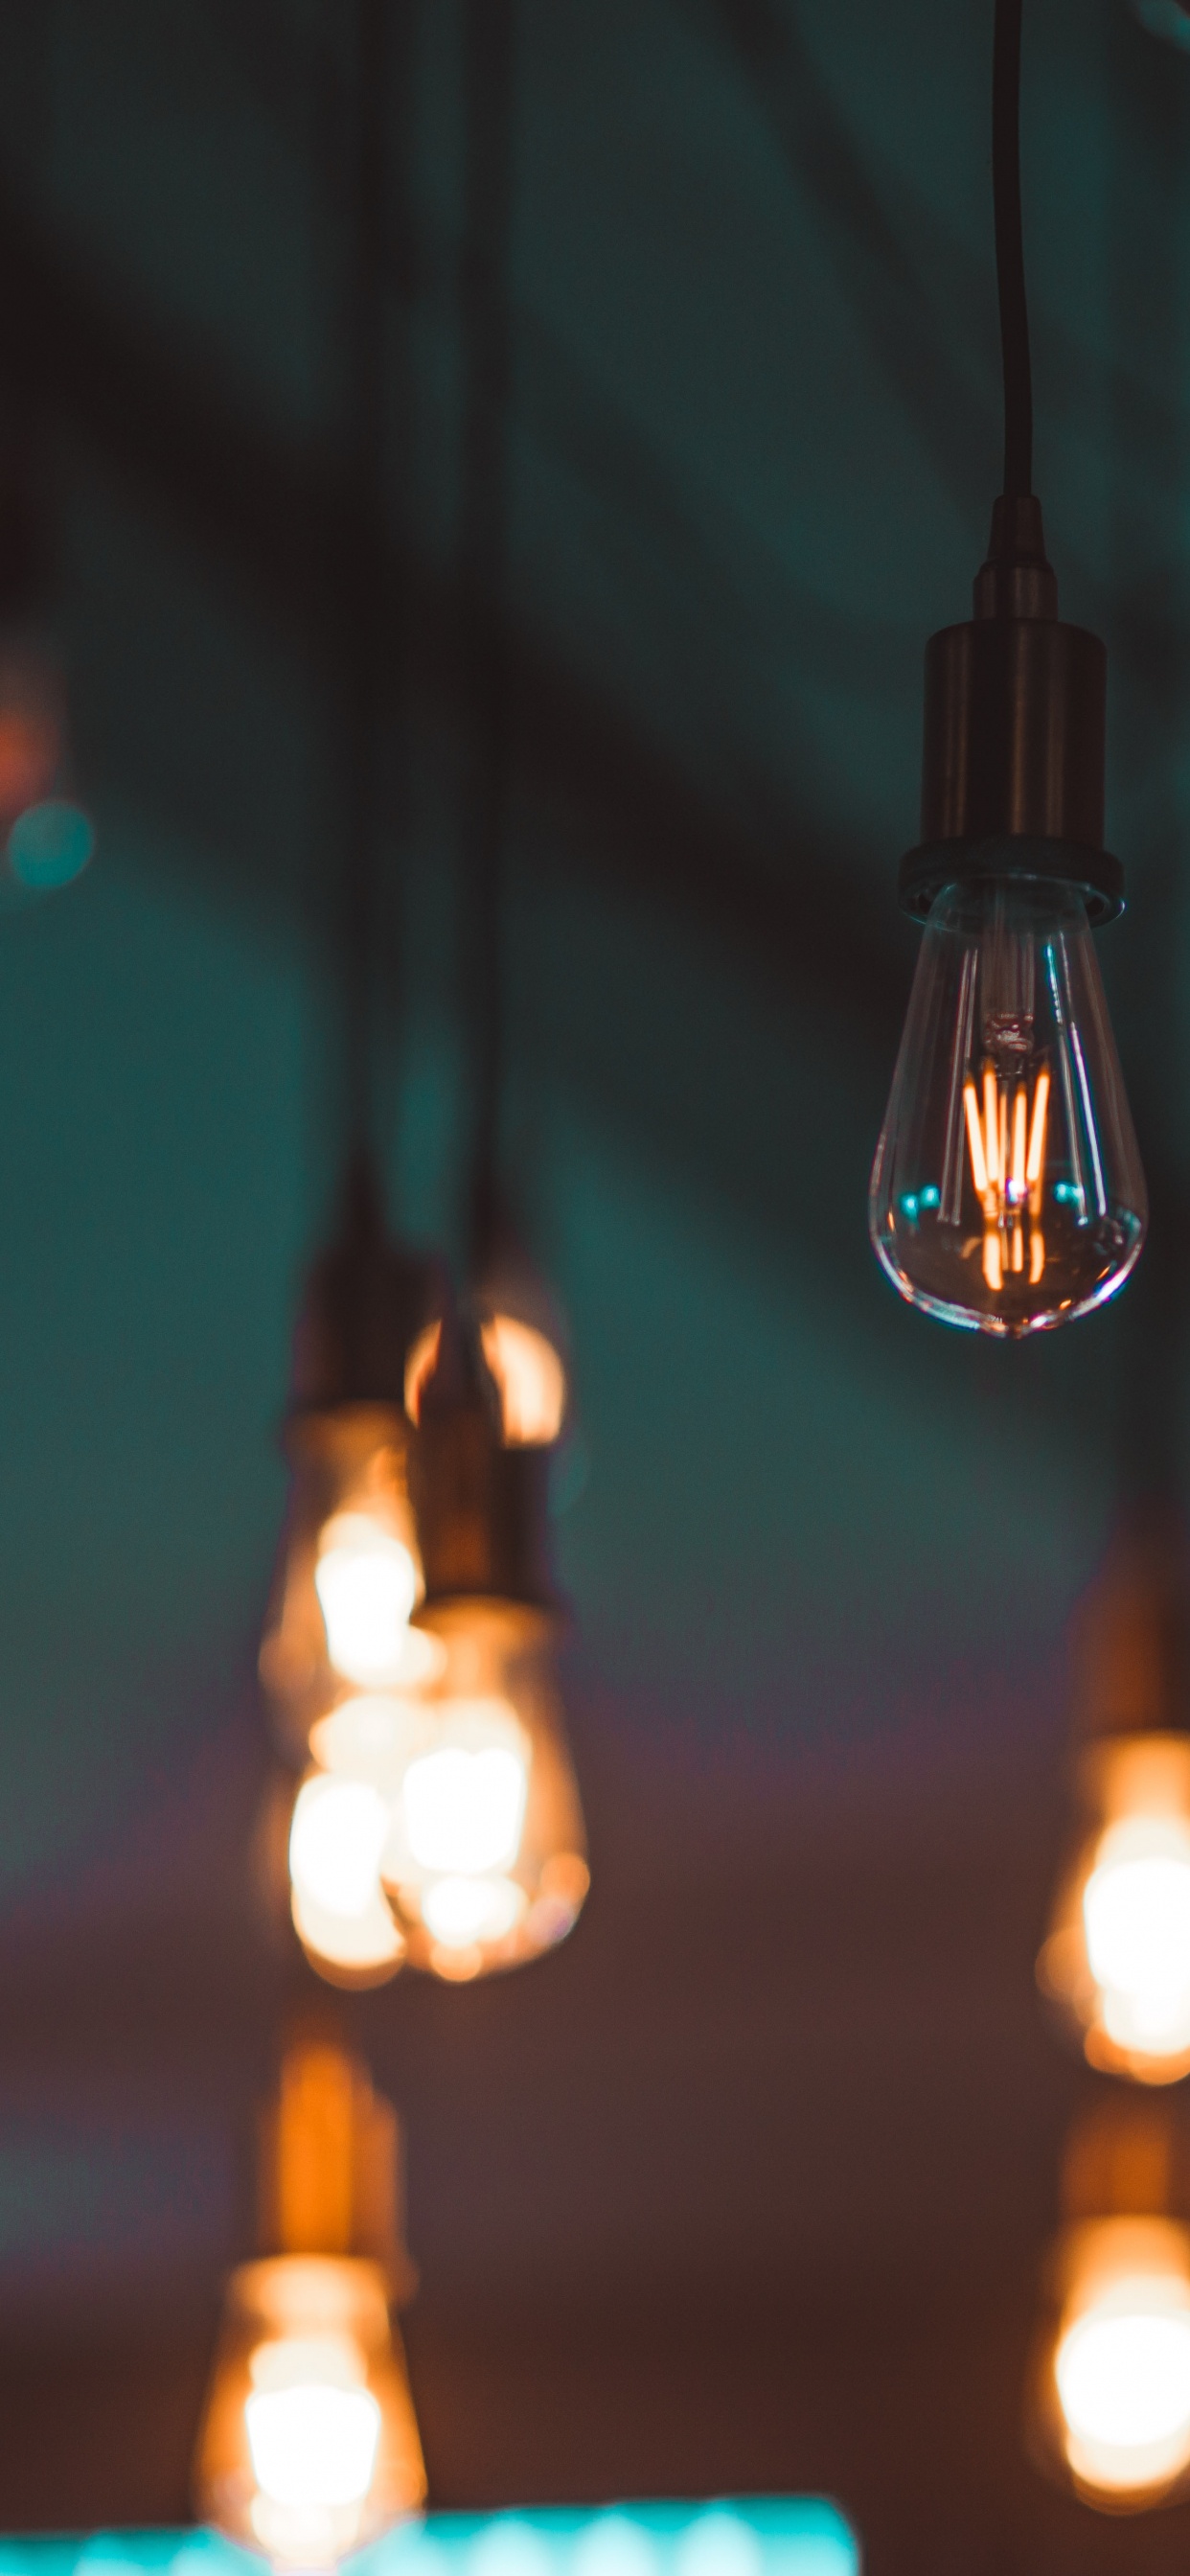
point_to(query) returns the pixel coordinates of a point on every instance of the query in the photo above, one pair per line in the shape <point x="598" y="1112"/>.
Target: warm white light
<point x="1123" y="2375"/>
<point x="373" y="1738"/>
<point x="464" y="1810"/>
<point x="530" y="1378"/>
<point x="459" y="1911"/>
<point x="366" y="1582"/>
<point x="313" y="2429"/>
<point x="1136" y="1918"/>
<point x="335" y="1842"/>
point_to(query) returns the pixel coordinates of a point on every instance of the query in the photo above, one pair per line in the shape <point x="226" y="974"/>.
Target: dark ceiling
<point x="749" y="2186"/>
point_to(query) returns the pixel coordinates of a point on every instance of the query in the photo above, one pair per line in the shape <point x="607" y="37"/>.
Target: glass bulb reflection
<point x="1007" y="1193"/>
<point x="530" y="1378"/>
<point x="1123" y="2377"/>
<point x="366" y="1583"/>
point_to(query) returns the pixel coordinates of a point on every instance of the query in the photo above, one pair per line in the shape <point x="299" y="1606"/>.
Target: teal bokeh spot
<point x="49" y="844"/>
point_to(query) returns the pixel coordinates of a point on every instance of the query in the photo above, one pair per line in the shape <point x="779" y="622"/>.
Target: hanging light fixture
<point x="486" y="1862"/>
<point x="1109" y="2382"/>
<point x="340" y="1662"/>
<point x="1007" y="1193"/>
<point x="1117" y="1958"/>
<point x="309" y="2444"/>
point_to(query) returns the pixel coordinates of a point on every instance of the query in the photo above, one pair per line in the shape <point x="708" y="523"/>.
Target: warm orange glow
<point x="309" y="2445"/>
<point x="1119" y="2372"/>
<point x="340" y="1825"/>
<point x="1119" y="1954"/>
<point x="530" y="1378"/>
<point x="349" y="1570"/>
<point x="486" y="1863"/>
<point x="527" y="1370"/>
<point x="979" y="1169"/>
<point x="420" y="1366"/>
<point x="1007" y="1150"/>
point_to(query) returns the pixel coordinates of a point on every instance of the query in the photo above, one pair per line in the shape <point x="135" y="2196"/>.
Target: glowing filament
<point x="1007" y="1148"/>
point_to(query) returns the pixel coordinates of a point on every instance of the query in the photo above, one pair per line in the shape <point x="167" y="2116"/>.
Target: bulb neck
<point x="1014" y="741"/>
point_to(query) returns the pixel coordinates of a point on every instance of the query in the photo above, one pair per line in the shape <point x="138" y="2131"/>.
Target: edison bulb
<point x="1121" y="2358"/>
<point x="1007" y="1193"/>
<point x="309" y="2444"/>
<point x="339" y="1830"/>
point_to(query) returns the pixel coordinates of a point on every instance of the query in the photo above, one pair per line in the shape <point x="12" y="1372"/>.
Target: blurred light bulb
<point x="1123" y="2377"/>
<point x="366" y="1582"/>
<point x="1007" y="1193"/>
<point x="530" y="1379"/>
<point x="1118" y="1953"/>
<point x="309" y="2444"/>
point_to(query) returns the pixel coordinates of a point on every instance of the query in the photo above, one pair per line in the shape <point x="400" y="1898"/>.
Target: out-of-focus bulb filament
<point x="464" y="1811"/>
<point x="1136" y="1918"/>
<point x="366" y="1583"/>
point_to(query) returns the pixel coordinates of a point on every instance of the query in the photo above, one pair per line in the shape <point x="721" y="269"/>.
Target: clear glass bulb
<point x="1007" y="1193"/>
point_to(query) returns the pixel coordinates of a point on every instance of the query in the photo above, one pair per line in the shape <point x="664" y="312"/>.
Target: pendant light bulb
<point x="1109" y="2386"/>
<point x="485" y="1865"/>
<point x="1117" y="1957"/>
<point x="1007" y="1193"/>
<point x="309" y="2444"/>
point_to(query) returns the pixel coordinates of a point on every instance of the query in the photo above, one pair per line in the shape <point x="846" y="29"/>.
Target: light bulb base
<point x="1014" y="739"/>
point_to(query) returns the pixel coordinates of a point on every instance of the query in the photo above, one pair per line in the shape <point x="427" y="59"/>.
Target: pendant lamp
<point x="339" y="1660"/>
<point x="309" y="2444"/>
<point x="486" y="1863"/>
<point x="1007" y="1194"/>
<point x="1117" y="1958"/>
<point x="1108" y="2389"/>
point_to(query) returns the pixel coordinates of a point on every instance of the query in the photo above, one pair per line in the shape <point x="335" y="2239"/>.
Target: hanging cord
<point x="487" y="365"/>
<point x="365" y="637"/>
<point x="1010" y="255"/>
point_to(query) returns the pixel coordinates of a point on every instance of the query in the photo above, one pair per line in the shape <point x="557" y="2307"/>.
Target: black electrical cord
<point x="487" y="353"/>
<point x="364" y="673"/>
<point x="1010" y="254"/>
